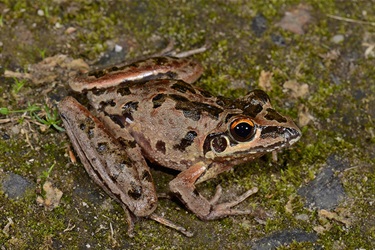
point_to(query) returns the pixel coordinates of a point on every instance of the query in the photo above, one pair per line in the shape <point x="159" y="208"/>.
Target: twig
<point x="349" y="20"/>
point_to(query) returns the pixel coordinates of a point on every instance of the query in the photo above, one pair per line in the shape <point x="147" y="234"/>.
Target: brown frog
<point x="150" y="110"/>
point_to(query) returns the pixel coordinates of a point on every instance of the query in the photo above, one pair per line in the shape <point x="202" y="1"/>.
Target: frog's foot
<point x="184" y="187"/>
<point x="225" y="209"/>
<point x="130" y="218"/>
<point x="170" y="51"/>
<point x="189" y="52"/>
<point x="171" y="224"/>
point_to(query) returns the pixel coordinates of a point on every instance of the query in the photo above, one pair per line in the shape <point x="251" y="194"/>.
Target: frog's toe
<point x="219" y="191"/>
<point x="225" y="209"/>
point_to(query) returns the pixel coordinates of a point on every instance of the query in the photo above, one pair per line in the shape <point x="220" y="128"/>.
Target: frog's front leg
<point x="184" y="187"/>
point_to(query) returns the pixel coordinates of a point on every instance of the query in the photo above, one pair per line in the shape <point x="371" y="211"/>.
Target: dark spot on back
<point x="102" y="147"/>
<point x="179" y="99"/>
<point x="103" y="105"/>
<point x="183" y="87"/>
<point x="195" y="115"/>
<point x="128" y="116"/>
<point x="135" y="192"/>
<point x="130" y="107"/>
<point x="88" y="127"/>
<point x="98" y="92"/>
<point x="118" y="119"/>
<point x="112" y="103"/>
<point x="186" y="141"/>
<point x="193" y="110"/>
<point x="205" y="93"/>
<point x="124" y="91"/>
<point x="146" y="176"/>
<point x="127" y="143"/>
<point x="91" y="133"/>
<point x="122" y="161"/>
<point x="160" y="146"/>
<point x="212" y="111"/>
<point x="158" y="100"/>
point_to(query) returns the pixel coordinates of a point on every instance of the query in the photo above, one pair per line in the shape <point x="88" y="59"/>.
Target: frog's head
<point x="251" y="130"/>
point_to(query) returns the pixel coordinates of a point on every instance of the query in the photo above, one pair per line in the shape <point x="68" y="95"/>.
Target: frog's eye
<point x="242" y="129"/>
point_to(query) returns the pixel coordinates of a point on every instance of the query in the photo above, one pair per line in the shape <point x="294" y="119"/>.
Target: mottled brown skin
<point x="149" y="110"/>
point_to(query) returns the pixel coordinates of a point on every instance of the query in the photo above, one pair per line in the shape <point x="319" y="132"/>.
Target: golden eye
<point x="242" y="129"/>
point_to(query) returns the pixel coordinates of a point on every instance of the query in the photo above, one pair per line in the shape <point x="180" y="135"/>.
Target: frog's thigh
<point x="121" y="171"/>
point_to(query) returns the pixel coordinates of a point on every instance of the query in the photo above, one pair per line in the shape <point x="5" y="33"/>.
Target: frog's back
<point x="169" y="119"/>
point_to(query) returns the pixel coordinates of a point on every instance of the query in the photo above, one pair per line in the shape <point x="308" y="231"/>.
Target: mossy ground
<point x="340" y="98"/>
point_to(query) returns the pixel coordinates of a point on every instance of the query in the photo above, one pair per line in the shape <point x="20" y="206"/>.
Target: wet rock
<point x="326" y="191"/>
<point x="283" y="238"/>
<point x="336" y="163"/>
<point x="5" y="136"/>
<point x="278" y="40"/>
<point x="259" y="24"/>
<point x="15" y="186"/>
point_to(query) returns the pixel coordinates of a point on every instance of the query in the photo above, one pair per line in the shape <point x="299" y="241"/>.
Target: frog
<point x="151" y="112"/>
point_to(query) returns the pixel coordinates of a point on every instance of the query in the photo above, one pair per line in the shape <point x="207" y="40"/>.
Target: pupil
<point x="243" y="130"/>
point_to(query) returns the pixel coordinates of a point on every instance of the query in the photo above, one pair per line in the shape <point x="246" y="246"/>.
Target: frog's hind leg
<point x="119" y="169"/>
<point x="170" y="224"/>
<point x="130" y="219"/>
<point x="169" y="50"/>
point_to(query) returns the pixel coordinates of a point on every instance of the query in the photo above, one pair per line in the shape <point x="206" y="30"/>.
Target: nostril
<point x="291" y="135"/>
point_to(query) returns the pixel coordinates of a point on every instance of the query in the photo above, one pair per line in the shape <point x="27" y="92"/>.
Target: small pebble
<point x="70" y="30"/>
<point x="337" y="38"/>
<point x="118" y="48"/>
<point x="259" y="24"/>
<point x="40" y="13"/>
<point x="303" y="217"/>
